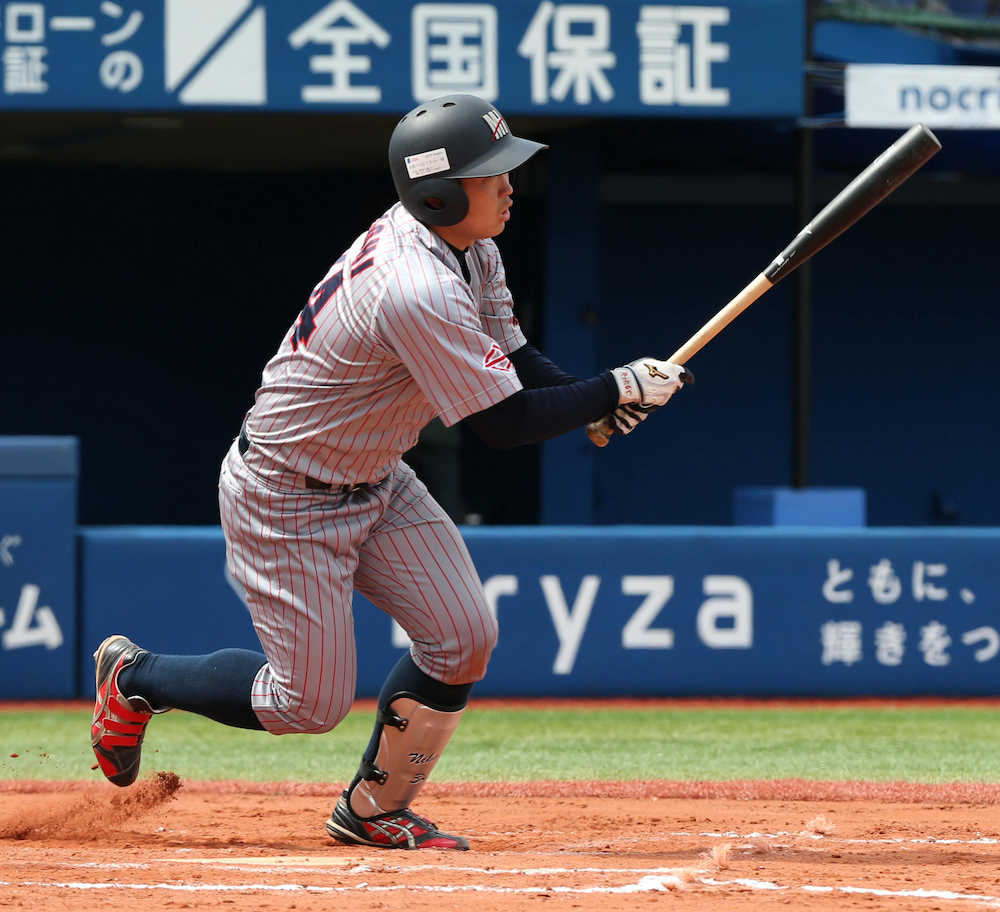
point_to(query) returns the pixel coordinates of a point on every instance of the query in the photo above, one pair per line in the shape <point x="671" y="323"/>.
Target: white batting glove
<point x="648" y="381"/>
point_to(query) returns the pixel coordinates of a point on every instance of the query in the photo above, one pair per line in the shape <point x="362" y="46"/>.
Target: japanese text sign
<point x="732" y="58"/>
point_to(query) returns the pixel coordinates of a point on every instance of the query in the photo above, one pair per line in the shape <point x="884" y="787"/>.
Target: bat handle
<point x="601" y="432"/>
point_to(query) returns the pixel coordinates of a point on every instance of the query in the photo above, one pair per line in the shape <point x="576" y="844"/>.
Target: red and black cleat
<point x="395" y="830"/>
<point x="117" y="729"/>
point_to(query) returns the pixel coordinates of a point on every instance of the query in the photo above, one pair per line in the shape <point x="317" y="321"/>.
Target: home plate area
<point x="259" y="847"/>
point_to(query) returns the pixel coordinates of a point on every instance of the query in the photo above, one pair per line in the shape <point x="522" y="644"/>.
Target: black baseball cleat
<point x="394" y="830"/>
<point x="118" y="727"/>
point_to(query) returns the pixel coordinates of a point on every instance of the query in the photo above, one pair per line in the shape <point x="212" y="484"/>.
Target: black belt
<point x="314" y="484"/>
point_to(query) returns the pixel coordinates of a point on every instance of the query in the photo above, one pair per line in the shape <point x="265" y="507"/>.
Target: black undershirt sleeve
<point x="535" y="370"/>
<point x="533" y="415"/>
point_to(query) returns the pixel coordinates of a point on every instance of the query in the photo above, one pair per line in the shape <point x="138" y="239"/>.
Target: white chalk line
<point x="804" y="834"/>
<point x="915" y="893"/>
<point x="644" y="885"/>
<point x="93" y="865"/>
<point x="647" y="884"/>
<point x="353" y="866"/>
<point x="350" y="868"/>
<point x="407" y="869"/>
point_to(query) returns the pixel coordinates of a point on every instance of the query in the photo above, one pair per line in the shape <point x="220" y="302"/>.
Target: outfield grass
<point x="918" y="744"/>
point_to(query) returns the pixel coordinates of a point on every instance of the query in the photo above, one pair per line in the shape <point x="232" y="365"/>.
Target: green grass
<point x="919" y="744"/>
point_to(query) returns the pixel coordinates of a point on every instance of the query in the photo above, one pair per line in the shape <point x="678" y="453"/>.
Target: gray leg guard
<point x="410" y="742"/>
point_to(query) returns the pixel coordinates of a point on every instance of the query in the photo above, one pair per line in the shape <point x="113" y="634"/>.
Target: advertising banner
<point x="650" y="611"/>
<point x="890" y="95"/>
<point x="38" y="482"/>
<point x="738" y="57"/>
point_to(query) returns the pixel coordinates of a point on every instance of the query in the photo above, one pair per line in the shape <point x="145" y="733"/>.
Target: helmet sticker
<point x="496" y="123"/>
<point x="424" y="163"/>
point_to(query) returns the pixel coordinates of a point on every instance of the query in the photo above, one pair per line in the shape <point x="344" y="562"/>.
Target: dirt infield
<point x="168" y="843"/>
<point x="586" y="846"/>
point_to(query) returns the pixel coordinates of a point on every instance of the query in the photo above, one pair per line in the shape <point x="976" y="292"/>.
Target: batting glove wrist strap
<point x="628" y="385"/>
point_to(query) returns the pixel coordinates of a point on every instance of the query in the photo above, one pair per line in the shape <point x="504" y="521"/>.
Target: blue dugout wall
<point x="624" y="611"/>
<point x="38" y="583"/>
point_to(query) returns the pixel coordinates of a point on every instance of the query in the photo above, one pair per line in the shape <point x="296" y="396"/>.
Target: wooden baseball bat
<point x="905" y="156"/>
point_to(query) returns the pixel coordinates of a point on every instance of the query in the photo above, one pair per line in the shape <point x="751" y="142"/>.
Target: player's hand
<point x="626" y="418"/>
<point x="648" y="381"/>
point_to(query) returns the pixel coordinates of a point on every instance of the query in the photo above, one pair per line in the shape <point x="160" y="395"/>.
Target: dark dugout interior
<point x="152" y="264"/>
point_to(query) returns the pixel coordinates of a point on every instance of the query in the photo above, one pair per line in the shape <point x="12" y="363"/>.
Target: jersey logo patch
<point x="495" y="359"/>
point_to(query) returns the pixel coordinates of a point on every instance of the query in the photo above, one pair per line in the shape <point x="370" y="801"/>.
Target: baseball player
<point x="414" y="320"/>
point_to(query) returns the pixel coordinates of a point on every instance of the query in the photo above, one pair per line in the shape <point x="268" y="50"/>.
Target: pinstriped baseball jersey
<point x="392" y="336"/>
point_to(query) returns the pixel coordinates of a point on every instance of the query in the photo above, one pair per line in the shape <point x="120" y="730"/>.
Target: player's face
<point x="489" y="206"/>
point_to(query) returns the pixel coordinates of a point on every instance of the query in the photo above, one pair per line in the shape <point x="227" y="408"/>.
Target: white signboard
<point x="891" y="95"/>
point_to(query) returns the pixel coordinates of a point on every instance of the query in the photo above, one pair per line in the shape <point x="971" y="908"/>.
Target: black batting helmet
<point x="451" y="137"/>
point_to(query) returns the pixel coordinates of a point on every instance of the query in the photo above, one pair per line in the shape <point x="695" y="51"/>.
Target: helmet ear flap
<point x="451" y="194"/>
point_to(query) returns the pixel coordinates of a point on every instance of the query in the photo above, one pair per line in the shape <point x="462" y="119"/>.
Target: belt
<point x="314" y="484"/>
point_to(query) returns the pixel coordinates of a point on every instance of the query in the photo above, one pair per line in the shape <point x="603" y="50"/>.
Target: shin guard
<point x="410" y="740"/>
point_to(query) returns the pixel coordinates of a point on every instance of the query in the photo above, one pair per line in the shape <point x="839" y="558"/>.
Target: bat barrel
<point x="905" y="156"/>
